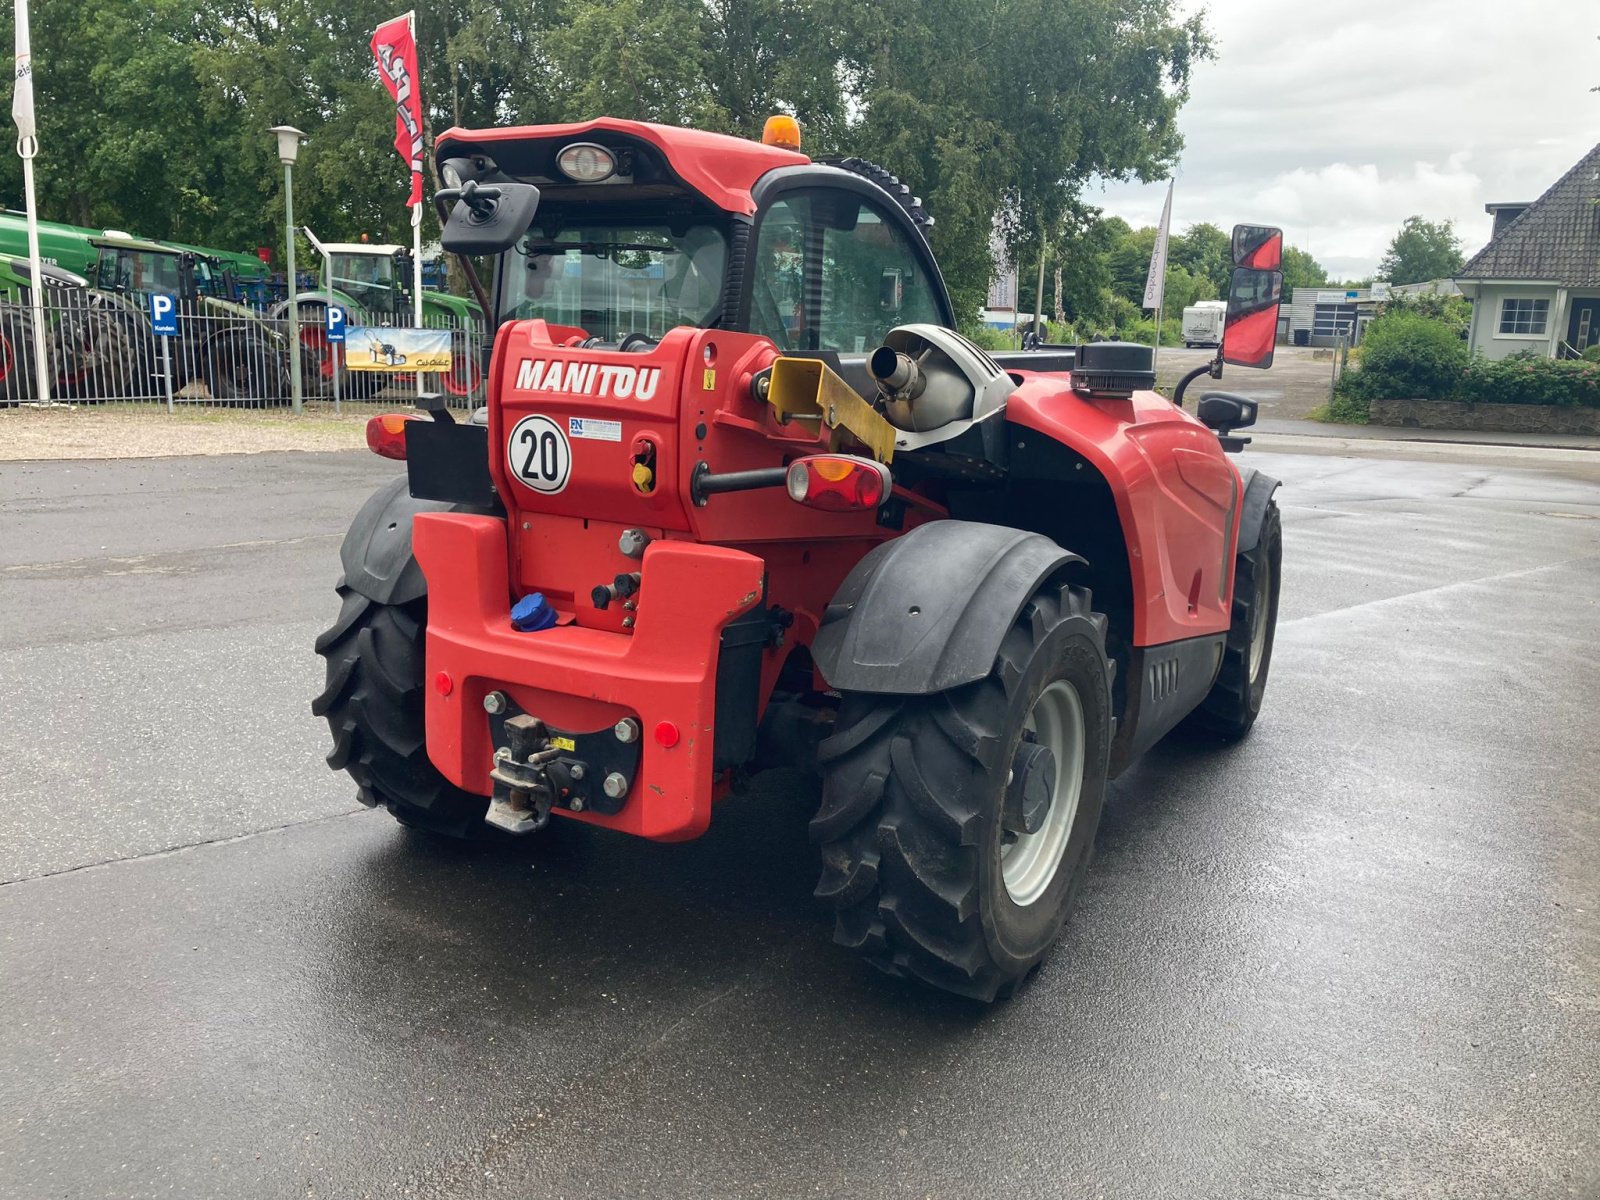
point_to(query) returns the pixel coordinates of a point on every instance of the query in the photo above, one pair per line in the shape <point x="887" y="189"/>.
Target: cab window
<point x="832" y="272"/>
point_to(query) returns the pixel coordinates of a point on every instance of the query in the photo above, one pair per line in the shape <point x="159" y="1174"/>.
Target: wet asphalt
<point x="1357" y="955"/>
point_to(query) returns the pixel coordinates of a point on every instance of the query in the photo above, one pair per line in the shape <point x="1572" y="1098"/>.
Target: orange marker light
<point x="782" y="131"/>
<point x="386" y="435"/>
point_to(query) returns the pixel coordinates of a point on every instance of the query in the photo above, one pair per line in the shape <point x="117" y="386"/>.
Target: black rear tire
<point x="18" y="378"/>
<point x="910" y="824"/>
<point x="1234" y="702"/>
<point x="374" y="705"/>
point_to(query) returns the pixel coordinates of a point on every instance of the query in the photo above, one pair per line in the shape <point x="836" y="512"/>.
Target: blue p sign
<point x="163" y="314"/>
<point x="335" y="323"/>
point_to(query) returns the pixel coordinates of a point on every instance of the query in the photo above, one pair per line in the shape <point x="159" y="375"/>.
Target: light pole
<point x="289" y="150"/>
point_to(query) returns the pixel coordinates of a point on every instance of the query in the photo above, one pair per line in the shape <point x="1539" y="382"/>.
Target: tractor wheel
<point x="243" y="367"/>
<point x="373" y="703"/>
<point x="927" y="803"/>
<point x="17" y="373"/>
<point x="1234" y="702"/>
<point x="464" y="376"/>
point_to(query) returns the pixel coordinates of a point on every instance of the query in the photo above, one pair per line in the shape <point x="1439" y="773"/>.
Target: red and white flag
<point x="394" y="45"/>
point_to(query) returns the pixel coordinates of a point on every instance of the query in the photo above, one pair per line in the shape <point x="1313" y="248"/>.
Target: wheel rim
<point x="1029" y="864"/>
<point x="1258" y="627"/>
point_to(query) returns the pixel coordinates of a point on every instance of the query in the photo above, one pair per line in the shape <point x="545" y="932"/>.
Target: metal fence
<point x="101" y="349"/>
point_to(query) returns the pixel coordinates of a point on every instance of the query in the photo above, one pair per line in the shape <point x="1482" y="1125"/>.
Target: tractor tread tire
<point x="908" y="791"/>
<point x="913" y="206"/>
<point x="373" y="702"/>
<point x="1234" y="701"/>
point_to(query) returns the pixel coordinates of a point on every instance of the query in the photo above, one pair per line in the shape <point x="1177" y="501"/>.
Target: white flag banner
<point x="1155" y="283"/>
<point x="22" y="97"/>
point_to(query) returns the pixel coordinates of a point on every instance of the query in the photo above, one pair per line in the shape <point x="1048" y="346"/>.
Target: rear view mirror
<point x="1257" y="246"/>
<point x="487" y="220"/>
<point x="1251" y="331"/>
<point x="891" y="289"/>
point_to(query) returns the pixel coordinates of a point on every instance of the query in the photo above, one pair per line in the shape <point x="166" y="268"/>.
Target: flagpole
<point x="27" y="147"/>
<point x="416" y="211"/>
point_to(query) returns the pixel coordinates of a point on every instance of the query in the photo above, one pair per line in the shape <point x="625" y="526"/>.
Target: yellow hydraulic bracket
<point x="802" y="388"/>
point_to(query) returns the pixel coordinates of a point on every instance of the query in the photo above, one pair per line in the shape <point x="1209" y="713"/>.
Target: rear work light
<point x="585" y="162"/>
<point x="386" y="435"/>
<point x="838" y="482"/>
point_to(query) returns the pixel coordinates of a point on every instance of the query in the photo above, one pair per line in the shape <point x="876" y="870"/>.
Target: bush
<point x="1592" y="354"/>
<point x="986" y="337"/>
<point x="1528" y="379"/>
<point x="1406" y="355"/>
<point x="1349" y="406"/>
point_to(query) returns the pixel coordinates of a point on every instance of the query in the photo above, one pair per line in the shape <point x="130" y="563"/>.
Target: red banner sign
<point x="395" y="48"/>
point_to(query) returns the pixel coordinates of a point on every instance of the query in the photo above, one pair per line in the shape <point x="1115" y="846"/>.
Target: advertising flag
<point x="1155" y="282"/>
<point x="394" y="45"/>
<point x="22" y="97"/>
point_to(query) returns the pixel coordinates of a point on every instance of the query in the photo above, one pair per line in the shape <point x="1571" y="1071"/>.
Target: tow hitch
<point x="537" y="768"/>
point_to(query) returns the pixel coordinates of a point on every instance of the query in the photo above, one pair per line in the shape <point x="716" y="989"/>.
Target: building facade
<point x="1536" y="285"/>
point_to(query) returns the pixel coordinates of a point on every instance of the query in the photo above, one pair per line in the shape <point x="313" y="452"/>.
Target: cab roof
<point x="720" y="168"/>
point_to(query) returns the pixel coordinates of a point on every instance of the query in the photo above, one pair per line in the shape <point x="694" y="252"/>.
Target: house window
<point x="1523" y="317"/>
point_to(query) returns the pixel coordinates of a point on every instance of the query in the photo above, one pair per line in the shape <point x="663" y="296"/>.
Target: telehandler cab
<point x="742" y="496"/>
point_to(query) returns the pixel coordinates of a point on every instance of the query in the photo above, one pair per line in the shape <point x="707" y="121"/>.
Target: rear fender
<point x="376" y="552"/>
<point x="928" y="610"/>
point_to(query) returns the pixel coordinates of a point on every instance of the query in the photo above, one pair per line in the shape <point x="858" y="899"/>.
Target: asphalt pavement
<point x="1357" y="955"/>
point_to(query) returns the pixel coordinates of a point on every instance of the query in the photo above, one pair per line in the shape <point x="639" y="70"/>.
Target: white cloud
<point x="1338" y="122"/>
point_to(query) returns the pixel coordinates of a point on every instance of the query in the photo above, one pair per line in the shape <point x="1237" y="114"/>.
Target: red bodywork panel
<point x="704" y="567"/>
<point x="1176" y="491"/>
<point x="721" y="168"/>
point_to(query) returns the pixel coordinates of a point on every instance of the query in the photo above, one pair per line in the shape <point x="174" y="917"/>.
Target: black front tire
<point x="911" y="816"/>
<point x="373" y="702"/>
<point x="1234" y="702"/>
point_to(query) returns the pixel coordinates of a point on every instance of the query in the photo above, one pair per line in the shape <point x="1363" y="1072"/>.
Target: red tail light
<point x="386" y="435"/>
<point x="838" y="482"/>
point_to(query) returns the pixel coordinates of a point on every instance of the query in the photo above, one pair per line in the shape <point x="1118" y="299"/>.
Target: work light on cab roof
<point x="585" y="162"/>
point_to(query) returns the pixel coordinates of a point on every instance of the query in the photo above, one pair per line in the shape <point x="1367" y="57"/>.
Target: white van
<point x="1203" y="321"/>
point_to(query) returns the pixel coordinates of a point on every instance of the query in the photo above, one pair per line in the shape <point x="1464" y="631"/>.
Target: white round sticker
<point x="539" y="454"/>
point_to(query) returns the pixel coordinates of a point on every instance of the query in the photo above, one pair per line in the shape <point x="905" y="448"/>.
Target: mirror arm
<point x="1212" y="368"/>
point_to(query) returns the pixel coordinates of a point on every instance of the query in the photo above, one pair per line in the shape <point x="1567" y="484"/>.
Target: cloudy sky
<point x="1337" y="121"/>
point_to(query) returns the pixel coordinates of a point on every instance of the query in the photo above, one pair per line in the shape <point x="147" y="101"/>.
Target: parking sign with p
<point x="335" y="323"/>
<point x="163" y="314"/>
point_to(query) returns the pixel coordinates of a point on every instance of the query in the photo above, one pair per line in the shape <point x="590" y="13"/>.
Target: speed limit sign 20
<point x="539" y="454"/>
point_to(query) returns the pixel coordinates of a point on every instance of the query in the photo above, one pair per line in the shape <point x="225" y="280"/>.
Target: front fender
<point x="1257" y="491"/>
<point x="928" y="610"/>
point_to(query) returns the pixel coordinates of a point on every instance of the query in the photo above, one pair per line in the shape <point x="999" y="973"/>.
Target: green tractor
<point x="224" y="350"/>
<point x="18" y="374"/>
<point x="372" y="282"/>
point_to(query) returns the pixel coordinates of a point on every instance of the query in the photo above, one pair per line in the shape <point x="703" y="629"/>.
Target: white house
<point x="1536" y="285"/>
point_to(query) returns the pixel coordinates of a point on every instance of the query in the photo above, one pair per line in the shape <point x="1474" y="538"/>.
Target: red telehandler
<point x="742" y="496"/>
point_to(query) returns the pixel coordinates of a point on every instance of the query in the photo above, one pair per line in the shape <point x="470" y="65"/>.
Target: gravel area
<point x="148" y="432"/>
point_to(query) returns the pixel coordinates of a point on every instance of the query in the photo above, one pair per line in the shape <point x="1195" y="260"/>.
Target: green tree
<point x="1205" y="251"/>
<point x="1301" y="270"/>
<point x="1421" y="251"/>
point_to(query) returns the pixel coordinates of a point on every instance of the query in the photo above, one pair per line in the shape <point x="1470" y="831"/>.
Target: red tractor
<point x="742" y="497"/>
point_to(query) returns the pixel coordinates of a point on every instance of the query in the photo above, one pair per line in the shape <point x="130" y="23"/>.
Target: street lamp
<point x="288" y="150"/>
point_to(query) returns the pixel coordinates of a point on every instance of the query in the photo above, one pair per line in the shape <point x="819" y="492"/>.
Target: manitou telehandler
<point x="742" y="496"/>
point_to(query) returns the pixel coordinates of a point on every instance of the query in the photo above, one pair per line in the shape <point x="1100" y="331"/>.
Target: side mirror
<point x="891" y="289"/>
<point x="487" y="220"/>
<point x="1225" y="413"/>
<point x="1257" y="246"/>
<point x="1251" y="332"/>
